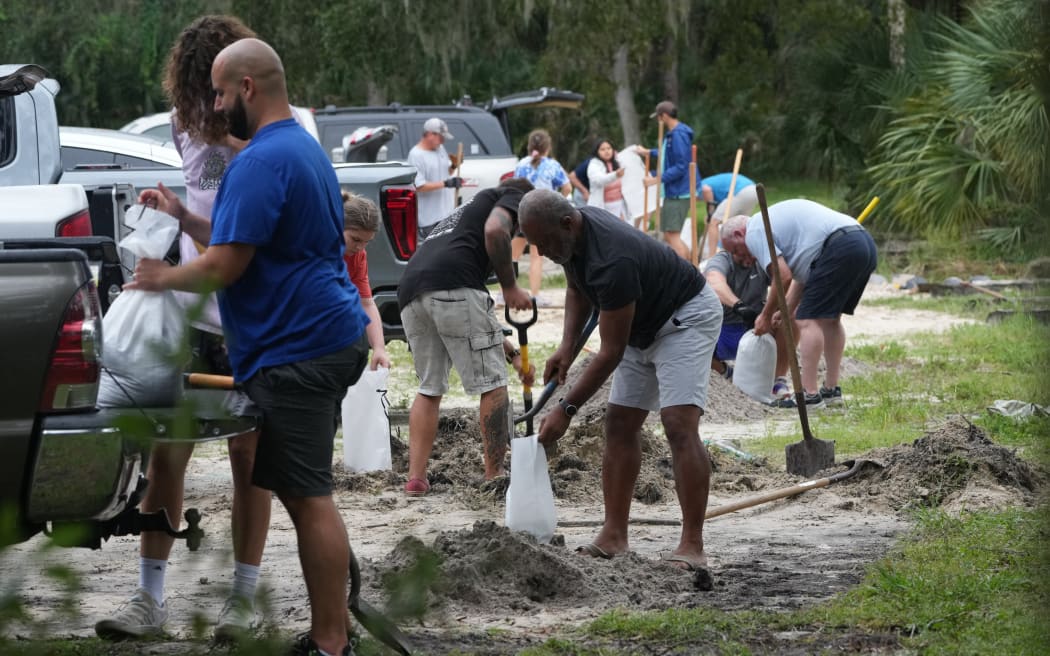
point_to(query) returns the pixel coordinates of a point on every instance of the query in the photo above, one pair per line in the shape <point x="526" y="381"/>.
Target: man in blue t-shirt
<point x="293" y="321"/>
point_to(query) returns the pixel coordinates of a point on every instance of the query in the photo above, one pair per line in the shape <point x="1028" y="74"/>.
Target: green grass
<point x="974" y="306"/>
<point x="829" y="195"/>
<point x="928" y="377"/>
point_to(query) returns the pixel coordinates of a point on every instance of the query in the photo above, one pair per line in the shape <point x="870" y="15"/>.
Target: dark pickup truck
<point x="66" y="467"/>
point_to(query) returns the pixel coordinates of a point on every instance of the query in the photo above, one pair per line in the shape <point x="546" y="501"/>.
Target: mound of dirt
<point x="955" y="467"/>
<point x="489" y="566"/>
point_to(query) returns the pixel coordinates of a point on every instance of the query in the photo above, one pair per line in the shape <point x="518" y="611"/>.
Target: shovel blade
<point x="809" y="456"/>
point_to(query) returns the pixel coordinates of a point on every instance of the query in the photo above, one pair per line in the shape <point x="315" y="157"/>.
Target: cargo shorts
<point x="455" y="328"/>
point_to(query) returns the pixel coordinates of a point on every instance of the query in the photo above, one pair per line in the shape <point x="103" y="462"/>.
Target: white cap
<point x="437" y="126"/>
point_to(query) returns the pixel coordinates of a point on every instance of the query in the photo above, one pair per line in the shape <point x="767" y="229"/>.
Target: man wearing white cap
<point x="434" y="181"/>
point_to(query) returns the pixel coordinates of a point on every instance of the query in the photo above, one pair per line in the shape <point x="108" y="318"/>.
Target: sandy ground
<point x="783" y="554"/>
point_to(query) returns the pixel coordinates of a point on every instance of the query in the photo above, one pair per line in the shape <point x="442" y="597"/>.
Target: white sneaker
<point x="781" y="388"/>
<point x="139" y="617"/>
<point x="236" y="619"/>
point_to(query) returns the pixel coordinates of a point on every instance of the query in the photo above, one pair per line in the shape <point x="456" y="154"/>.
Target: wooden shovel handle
<point x="212" y="381"/>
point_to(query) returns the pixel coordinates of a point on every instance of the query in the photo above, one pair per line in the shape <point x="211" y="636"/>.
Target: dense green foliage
<point x="969" y="130"/>
<point x="955" y="139"/>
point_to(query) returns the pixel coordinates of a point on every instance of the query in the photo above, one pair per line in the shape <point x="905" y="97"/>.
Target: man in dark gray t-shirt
<point x="742" y="291"/>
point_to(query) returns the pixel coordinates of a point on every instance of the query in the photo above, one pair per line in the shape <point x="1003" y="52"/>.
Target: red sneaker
<point x="416" y="487"/>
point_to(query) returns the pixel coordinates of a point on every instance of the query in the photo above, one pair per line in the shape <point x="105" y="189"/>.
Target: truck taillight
<point x="399" y="204"/>
<point x="72" y="376"/>
<point x="78" y="225"/>
<point x="506" y="176"/>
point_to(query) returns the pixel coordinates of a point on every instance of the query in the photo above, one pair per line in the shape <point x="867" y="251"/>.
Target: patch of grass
<point x="958" y="585"/>
<point x="928" y="377"/>
<point x="833" y="196"/>
<point x="975" y="306"/>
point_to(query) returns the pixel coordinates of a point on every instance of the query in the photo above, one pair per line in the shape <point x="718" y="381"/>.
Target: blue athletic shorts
<point x="839" y="274"/>
<point x="729" y="340"/>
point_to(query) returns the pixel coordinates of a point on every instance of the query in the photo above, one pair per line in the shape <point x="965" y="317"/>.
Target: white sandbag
<point x="143" y="332"/>
<point x="530" y="500"/>
<point x="755" y="367"/>
<point x="632" y="184"/>
<point x="366" y="425"/>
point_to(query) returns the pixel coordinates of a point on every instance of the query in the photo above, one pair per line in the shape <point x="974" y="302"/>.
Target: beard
<point x="238" y="119"/>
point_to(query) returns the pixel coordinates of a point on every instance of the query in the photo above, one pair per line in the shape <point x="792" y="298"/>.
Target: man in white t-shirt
<point x="825" y="259"/>
<point x="434" y="181"/>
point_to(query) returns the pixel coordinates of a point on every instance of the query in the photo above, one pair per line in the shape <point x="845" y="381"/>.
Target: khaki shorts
<point x="676" y="368"/>
<point x="673" y="214"/>
<point x="455" y="328"/>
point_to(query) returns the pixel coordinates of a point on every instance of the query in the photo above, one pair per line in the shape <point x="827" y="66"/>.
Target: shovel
<point x="523" y="342"/>
<point x="374" y="622"/>
<point x="811" y="455"/>
<point x="548" y="390"/>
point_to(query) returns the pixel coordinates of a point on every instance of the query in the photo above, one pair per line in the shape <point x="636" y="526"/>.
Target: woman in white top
<point x="605" y="175"/>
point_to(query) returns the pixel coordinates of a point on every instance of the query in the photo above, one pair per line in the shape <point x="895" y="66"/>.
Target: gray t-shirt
<point x="750" y="284"/>
<point x="432" y="166"/>
<point x="799" y="230"/>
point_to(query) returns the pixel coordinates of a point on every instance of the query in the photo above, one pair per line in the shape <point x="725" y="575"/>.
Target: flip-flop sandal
<point x="594" y="551"/>
<point x="701" y="572"/>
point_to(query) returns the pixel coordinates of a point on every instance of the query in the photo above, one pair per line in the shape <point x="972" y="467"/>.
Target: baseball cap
<point x="437" y="126"/>
<point x="665" y="107"/>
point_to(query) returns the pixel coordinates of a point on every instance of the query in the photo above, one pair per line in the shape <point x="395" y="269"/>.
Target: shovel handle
<point x="778" y="285"/>
<point x="213" y="381"/>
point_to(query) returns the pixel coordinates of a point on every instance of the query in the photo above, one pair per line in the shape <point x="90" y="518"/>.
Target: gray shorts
<point x="455" y="328"/>
<point x="674" y="369"/>
<point x="673" y="214"/>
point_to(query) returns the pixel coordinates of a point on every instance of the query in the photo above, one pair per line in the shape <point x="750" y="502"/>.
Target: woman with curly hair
<point x="202" y="137"/>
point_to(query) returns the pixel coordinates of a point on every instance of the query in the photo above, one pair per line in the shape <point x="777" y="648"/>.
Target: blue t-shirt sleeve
<point x="248" y="204"/>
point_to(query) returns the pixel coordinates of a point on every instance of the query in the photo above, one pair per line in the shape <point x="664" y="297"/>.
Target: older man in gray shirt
<point x="825" y="259"/>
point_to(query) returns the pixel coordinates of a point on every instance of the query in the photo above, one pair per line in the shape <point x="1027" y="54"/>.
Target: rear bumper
<point x="88" y="464"/>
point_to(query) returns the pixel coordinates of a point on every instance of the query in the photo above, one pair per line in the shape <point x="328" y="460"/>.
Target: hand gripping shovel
<point x="548" y="389"/>
<point x="811" y="455"/>
<point x="523" y="342"/>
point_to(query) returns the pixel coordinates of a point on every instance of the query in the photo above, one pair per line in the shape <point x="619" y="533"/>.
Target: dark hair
<point x="539" y="142"/>
<point x="598" y="144"/>
<point x="187" y="75"/>
<point x="521" y="184"/>
<point x="359" y="213"/>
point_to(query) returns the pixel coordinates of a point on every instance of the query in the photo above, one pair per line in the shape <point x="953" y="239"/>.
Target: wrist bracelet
<point x="513" y="354"/>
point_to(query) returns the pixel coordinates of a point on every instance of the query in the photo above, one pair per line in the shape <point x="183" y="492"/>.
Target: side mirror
<point x="382" y="154"/>
<point x="338" y="155"/>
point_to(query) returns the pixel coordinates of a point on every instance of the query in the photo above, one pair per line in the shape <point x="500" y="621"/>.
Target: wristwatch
<point x="570" y="409"/>
<point x="510" y="356"/>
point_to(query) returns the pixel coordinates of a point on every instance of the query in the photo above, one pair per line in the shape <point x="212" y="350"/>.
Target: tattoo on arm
<point x="497" y="243"/>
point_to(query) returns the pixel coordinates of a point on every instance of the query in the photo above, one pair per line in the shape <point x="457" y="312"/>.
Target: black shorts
<point x="300" y="404"/>
<point x="839" y="274"/>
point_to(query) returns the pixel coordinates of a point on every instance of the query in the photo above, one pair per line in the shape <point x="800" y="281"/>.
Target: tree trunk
<point x="625" y="98"/>
<point x="374" y="94"/>
<point x="897" y="22"/>
<point x="671" y="68"/>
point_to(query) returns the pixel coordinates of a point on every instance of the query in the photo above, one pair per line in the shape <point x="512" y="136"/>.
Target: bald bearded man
<point x="293" y="321"/>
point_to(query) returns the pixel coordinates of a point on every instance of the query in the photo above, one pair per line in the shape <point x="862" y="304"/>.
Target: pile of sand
<point x="955" y="467"/>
